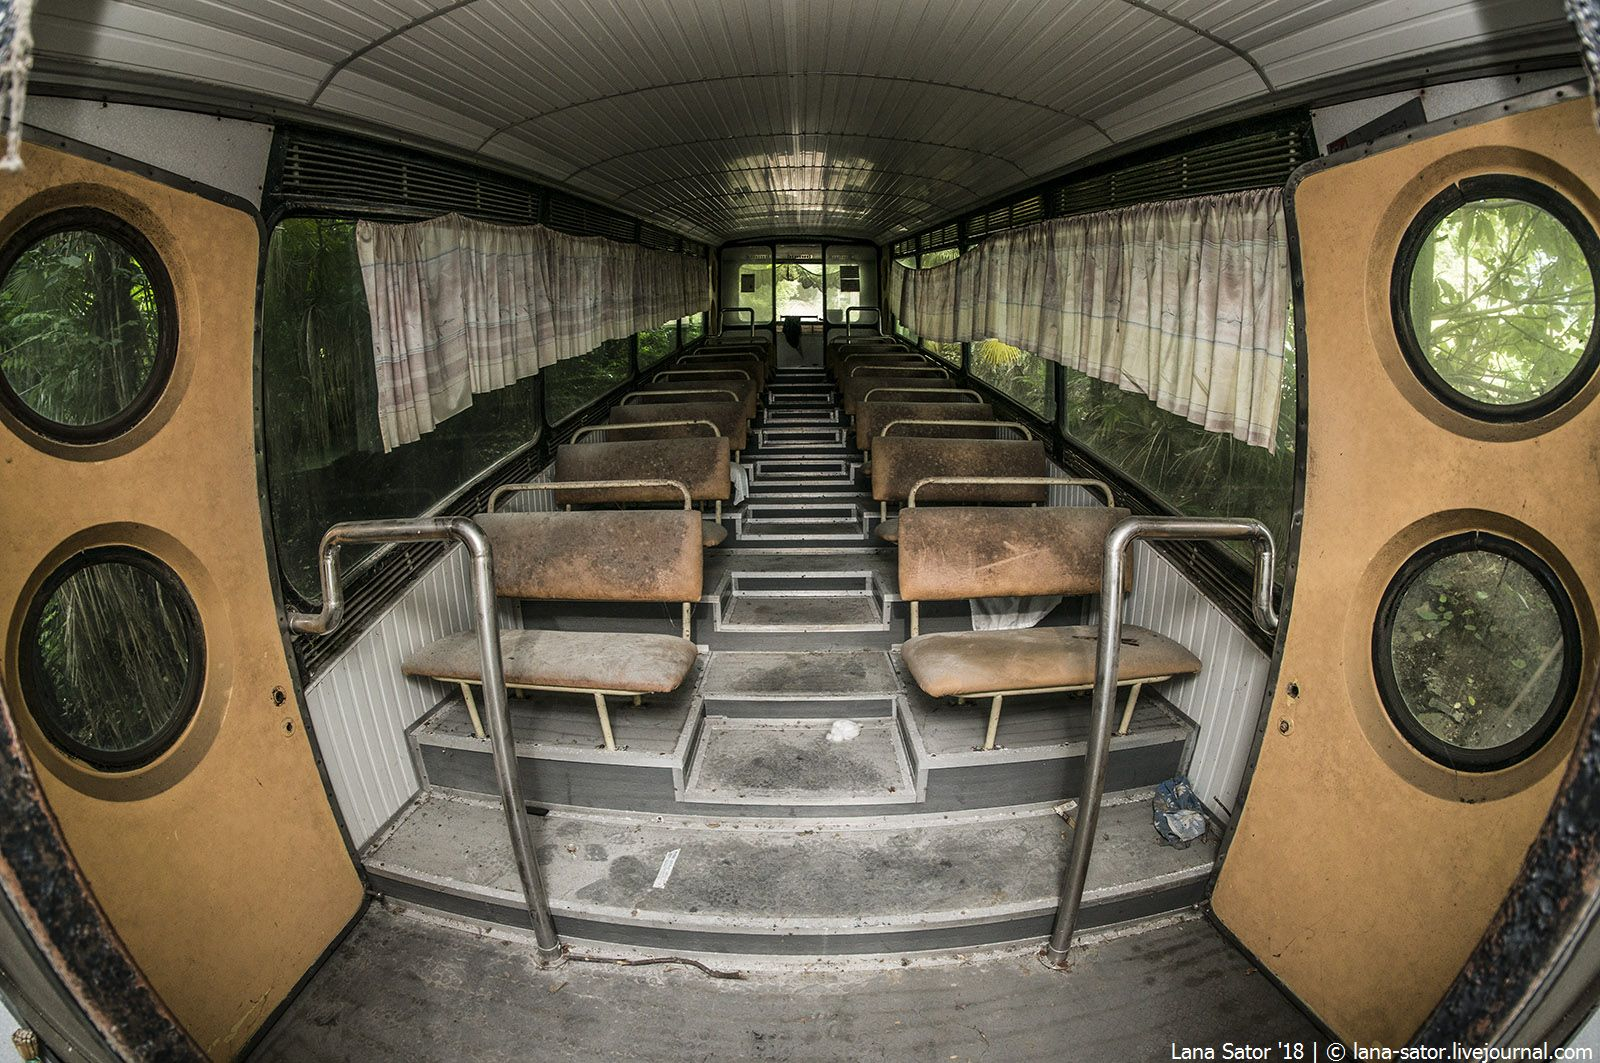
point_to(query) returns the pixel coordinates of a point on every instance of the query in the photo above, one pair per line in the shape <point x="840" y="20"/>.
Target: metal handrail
<point x="496" y="709"/>
<point x="878" y="367"/>
<point x="587" y="485"/>
<point x="919" y="391"/>
<point x="719" y="373"/>
<point x="628" y="426"/>
<point x="1107" y="655"/>
<point x="726" y="310"/>
<point x="682" y="391"/>
<point x="1019" y="481"/>
<point x="859" y="309"/>
<point x="962" y="423"/>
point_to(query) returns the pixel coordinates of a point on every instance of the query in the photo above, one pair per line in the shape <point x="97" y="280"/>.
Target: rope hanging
<point x="16" y="59"/>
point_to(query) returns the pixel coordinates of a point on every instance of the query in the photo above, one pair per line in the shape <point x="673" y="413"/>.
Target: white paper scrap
<point x="667" y="864"/>
<point x="843" y="730"/>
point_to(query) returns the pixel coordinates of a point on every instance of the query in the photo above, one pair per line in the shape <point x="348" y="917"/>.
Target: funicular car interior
<point x="683" y="530"/>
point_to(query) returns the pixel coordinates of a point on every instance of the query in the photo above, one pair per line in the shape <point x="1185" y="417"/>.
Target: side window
<point x="324" y="456"/>
<point x="575" y="383"/>
<point x="1017" y="374"/>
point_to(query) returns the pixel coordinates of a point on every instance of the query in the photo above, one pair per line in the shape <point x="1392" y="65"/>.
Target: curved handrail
<point x="1107" y="654"/>
<point x="684" y="391"/>
<point x="960" y="423"/>
<point x="860" y="309"/>
<point x="661" y="376"/>
<point x="587" y="485"/>
<point x="939" y="369"/>
<point x="918" y="391"/>
<point x="1021" y="481"/>
<point x="726" y="310"/>
<point x="628" y="426"/>
<point x="487" y="622"/>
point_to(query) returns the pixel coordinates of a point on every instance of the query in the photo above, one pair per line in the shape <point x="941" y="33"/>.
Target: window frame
<point x="1436" y="210"/>
<point x="132" y="240"/>
<point x="1458" y="758"/>
<point x="29" y="665"/>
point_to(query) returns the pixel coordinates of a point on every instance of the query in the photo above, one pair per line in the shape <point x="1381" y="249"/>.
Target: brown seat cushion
<point x="889" y="530"/>
<point x="570" y="660"/>
<point x="712" y="533"/>
<point x="700" y="463"/>
<point x="728" y="416"/>
<point x="873" y="417"/>
<point x="953" y="552"/>
<point x="632" y="555"/>
<point x="984" y="662"/>
<point x="899" y="463"/>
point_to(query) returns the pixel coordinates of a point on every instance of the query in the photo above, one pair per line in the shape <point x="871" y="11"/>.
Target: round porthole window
<point x="88" y="326"/>
<point x="1494" y="297"/>
<point x="112" y="658"/>
<point x="1476" y="651"/>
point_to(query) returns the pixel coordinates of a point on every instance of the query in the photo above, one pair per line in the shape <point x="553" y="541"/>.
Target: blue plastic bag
<point x="1178" y="814"/>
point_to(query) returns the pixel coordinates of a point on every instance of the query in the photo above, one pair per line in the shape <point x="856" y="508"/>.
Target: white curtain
<point x="1185" y="302"/>
<point x="460" y="307"/>
<point x="924" y="300"/>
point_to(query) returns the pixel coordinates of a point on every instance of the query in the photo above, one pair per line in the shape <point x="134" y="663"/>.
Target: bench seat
<point x="970" y="663"/>
<point x="582" y="661"/>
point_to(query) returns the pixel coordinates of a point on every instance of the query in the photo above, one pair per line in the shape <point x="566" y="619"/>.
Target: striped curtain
<point x="460" y="307"/>
<point x="1185" y="302"/>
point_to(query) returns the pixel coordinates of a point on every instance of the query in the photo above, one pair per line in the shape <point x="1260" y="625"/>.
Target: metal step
<point x="798" y="763"/>
<point x="787" y="684"/>
<point x="700" y="885"/>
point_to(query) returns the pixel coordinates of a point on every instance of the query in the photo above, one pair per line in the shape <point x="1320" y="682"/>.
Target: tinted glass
<point x="112" y="658"/>
<point x="1502" y="303"/>
<point x="1195" y="472"/>
<point x="80" y="328"/>
<point x="575" y="383"/>
<point x="1475" y="650"/>
<point x="325" y="459"/>
<point x="1016" y="373"/>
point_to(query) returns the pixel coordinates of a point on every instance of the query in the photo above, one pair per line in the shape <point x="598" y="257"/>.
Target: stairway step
<point x="783" y="890"/>
<point x="786" y="675"/>
<point x="787" y="764"/>
<point x="800" y="613"/>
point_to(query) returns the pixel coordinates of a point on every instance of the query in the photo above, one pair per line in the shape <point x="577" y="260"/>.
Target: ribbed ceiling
<point x="721" y="119"/>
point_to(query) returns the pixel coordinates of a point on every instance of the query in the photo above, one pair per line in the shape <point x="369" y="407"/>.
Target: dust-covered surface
<point x="404" y="989"/>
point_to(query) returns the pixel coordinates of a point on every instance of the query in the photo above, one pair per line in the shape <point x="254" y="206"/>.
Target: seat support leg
<point x="605" y="720"/>
<point x="472" y="710"/>
<point x="1127" y="713"/>
<point x="994" y="721"/>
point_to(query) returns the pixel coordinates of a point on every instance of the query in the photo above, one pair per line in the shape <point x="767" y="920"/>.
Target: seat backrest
<point x="700" y="464"/>
<point x="635" y="555"/>
<point x="748" y="363"/>
<point x="899" y="462"/>
<point x="855" y="389"/>
<point x="727" y="415"/>
<point x="952" y="552"/>
<point x="841" y="366"/>
<point x="871" y="417"/>
<point x="696" y="388"/>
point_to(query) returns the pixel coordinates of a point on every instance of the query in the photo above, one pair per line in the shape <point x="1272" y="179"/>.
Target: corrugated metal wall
<point x="361" y="705"/>
<point x="1226" y="697"/>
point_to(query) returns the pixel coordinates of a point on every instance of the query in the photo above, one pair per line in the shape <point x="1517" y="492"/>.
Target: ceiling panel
<point x="856" y="117"/>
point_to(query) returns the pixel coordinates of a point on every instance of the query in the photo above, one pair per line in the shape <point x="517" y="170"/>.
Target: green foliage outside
<point x="1502" y="301"/>
<point x="573" y="384"/>
<point x="1017" y="374"/>
<point x="692" y="327"/>
<point x="657" y="343"/>
<point x="1477" y="649"/>
<point x="799" y="289"/>
<point x="113" y="646"/>
<point x="79" y="329"/>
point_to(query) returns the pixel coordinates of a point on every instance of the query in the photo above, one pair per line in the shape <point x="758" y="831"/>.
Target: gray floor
<point x="402" y="989"/>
